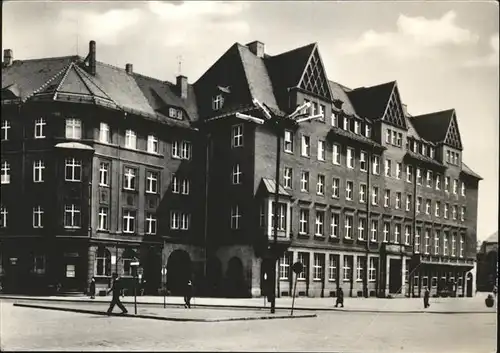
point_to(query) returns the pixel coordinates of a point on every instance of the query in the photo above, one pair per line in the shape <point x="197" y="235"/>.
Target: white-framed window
<point x="303" y="221"/>
<point x="334" y="119"/>
<point x="446" y="210"/>
<point x="321" y="150"/>
<point x="428" y="206"/>
<point x="3" y="216"/>
<point x="350" y="158"/>
<point x="128" y="221"/>
<point x="288" y="141"/>
<point x="419" y="204"/>
<point x="436" y="242"/>
<point x="372" y="270"/>
<point x="368" y="131"/>
<point x="437" y="208"/>
<point x="237" y="135"/>
<point x="407" y="234"/>
<point x="39" y="124"/>
<point x="235" y="217"/>
<point x="346" y="123"/>
<point x="427" y="241"/>
<point x="287" y="178"/>
<point x="281" y="216"/>
<point x="304" y="181"/>
<point x="73" y="169"/>
<point x="186" y="150"/>
<point x="419" y="176"/>
<point x="387" y="167"/>
<point x="336" y="187"/>
<point x="454" y="245"/>
<point x="362" y="161"/>
<point x="5" y="129"/>
<point x="130" y="139"/>
<point x="417" y="239"/>
<point x="303" y="258"/>
<point x="334" y="225"/>
<point x="399" y="141"/>
<point x="438" y="182"/>
<point x="462" y="188"/>
<point x="347" y="268"/>
<point x="175" y="219"/>
<point x="387" y="136"/>
<point x="319" y="224"/>
<point x="103" y="174"/>
<point x="375" y="195"/>
<point x="398" y="200"/>
<point x="37" y="217"/>
<point x="409" y="174"/>
<point x="72" y="216"/>
<point x="128" y="257"/>
<point x="129" y="178"/>
<point x="447" y="184"/>
<point x="386" y="231"/>
<point x="102" y="218"/>
<point x="387" y="198"/>
<point x="103" y="262"/>
<point x="445" y="243"/>
<point x="151" y="182"/>
<point x="462" y="246"/>
<point x="349" y="187"/>
<point x="394" y="138"/>
<point x="176" y="185"/>
<point x="374" y="230"/>
<point x="38" y="168"/>
<point x="185" y="221"/>
<point x="432" y="152"/>
<point x="73" y="128"/>
<point x="376" y="165"/>
<point x="362" y="193"/>
<point x="399" y="168"/>
<point x="332" y="268"/>
<point x="318" y="268"/>
<point x="320" y="185"/>
<point x="104" y="134"/>
<point x="285" y="267"/>
<point x="176" y="151"/>
<point x="357" y="127"/>
<point x="153" y="146"/>
<point x="462" y="213"/>
<point x="306" y="146"/>
<point x="455" y="186"/>
<point x="336" y="154"/>
<point x="185" y="186"/>
<point x="348" y="226"/>
<point x="360" y="268"/>
<point x="361" y="228"/>
<point x="408" y="202"/>
<point x="454" y="212"/>
<point x="237" y="174"/>
<point x="428" y="179"/>
<point x="217" y="102"/>
<point x="397" y="233"/>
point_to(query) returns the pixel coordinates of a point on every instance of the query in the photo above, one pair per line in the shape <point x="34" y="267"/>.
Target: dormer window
<point x="357" y="127"/>
<point x="368" y="131"/>
<point x="217" y="102"/>
<point x="175" y="113"/>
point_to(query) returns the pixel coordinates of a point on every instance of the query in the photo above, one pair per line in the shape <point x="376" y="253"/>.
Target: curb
<point x="162" y="318"/>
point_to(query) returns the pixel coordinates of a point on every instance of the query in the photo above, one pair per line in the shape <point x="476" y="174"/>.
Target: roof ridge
<point x="63" y="70"/>
<point x="292" y="50"/>
<point x="374" y="86"/>
<point x="433" y="113"/>
<point x="81" y="72"/>
<point x="50" y="58"/>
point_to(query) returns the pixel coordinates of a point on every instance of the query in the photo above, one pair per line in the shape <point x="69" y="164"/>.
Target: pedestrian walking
<point x="92" y="288"/>
<point x="426" y="297"/>
<point x="340" y="298"/>
<point x="188" y="294"/>
<point x="115" y="288"/>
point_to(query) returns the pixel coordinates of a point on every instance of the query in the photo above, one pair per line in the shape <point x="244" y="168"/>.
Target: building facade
<point x="371" y="199"/>
<point x="487" y="264"/>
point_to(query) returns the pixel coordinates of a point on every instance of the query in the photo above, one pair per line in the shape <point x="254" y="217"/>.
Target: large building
<point x="115" y="167"/>
<point x="487" y="264"/>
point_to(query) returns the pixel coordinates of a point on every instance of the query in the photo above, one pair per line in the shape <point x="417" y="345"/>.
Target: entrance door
<point x="395" y="281"/>
<point x="72" y="275"/>
<point x="469" y="284"/>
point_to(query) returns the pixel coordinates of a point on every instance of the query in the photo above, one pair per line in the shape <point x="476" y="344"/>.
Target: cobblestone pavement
<point x="33" y="329"/>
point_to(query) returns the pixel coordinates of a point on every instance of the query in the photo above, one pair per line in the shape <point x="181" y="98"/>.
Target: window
<point x="174" y="219"/>
<point x="306" y="146"/>
<point x="320" y="220"/>
<point x="129" y="178"/>
<point x="376" y="165"/>
<point x="303" y="258"/>
<point x="427" y="241"/>
<point x="436" y="242"/>
<point x="446" y="210"/>
<point x="437" y="208"/>
<point x="321" y="150"/>
<point x="281" y="216"/>
<point x="38" y="168"/>
<point x="152" y="144"/>
<point x="304" y="181"/>
<point x="5" y="130"/>
<point x="432" y="152"/>
<point x="73" y="128"/>
<point x="362" y="161"/>
<point x="462" y="213"/>
<point x="102" y="219"/>
<point x="454" y="245"/>
<point x="151" y="182"/>
<point x="185" y="187"/>
<point x="386" y="231"/>
<point x="368" y="131"/>
<point x="5" y="172"/>
<point x="39" y="124"/>
<point x="235" y="217"/>
<point x="462" y="243"/>
<point x="387" y="136"/>
<point x="399" y="167"/>
<point x="424" y="150"/>
<point x="39" y="264"/>
<point x="407" y="235"/>
<point x="185" y="221"/>
<point x="438" y="182"/>
<point x="287" y="178"/>
<point x="104" y="135"/>
<point x="332" y="268"/>
<point x="175" y="149"/>
<point x="374" y="230"/>
<point x="455" y="186"/>
<point x="319" y="264"/>
<point x="130" y="139"/>
<point x="73" y="170"/>
<point x="361" y="228"/>
<point x="3" y="217"/>
<point x="285" y="267"/>
<point x="335" y="225"/>
<point x="428" y="206"/>
<point x="336" y="187"/>
<point x="37" y="217"/>
<point x="320" y="186"/>
<point x="334" y="119"/>
<point x="237" y="174"/>
<point x="375" y="195"/>
<point x="103" y="262"/>
<point x="336" y="154"/>
<point x="408" y="202"/>
<point x="428" y="179"/>
<point x="419" y="204"/>
<point x="72" y="216"/>
<point x="399" y="141"/>
<point x="372" y="269"/>
<point x="349" y="186"/>
<point x="348" y="226"/>
<point x="128" y="257"/>
<point x="447" y="184"/>
<point x="387" y="198"/>
<point x="409" y="173"/>
<point x="288" y="141"/>
<point x="417" y="239"/>
<point x="419" y="176"/>
<point x="347" y="268"/>
<point x="362" y="193"/>
<point x="237" y="135"/>
<point x="454" y="212"/>
<point x="398" y="200"/>
<point x="360" y="268"/>
<point x="387" y="167"/>
<point x="350" y="157"/>
<point x="445" y="243"/>
<point x="357" y="127"/>
<point x="103" y="174"/>
<point x="346" y="123"/>
<point x="397" y="233"/>
<point x="394" y="138"/>
<point x="186" y="150"/>
<point x="128" y="221"/>
<point x="175" y="184"/>
<point x="303" y="221"/>
<point x="217" y="102"/>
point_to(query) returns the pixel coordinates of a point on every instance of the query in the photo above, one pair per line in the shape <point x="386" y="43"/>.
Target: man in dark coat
<point x="426" y="297"/>
<point x="340" y="298"/>
<point x="116" y="295"/>
<point x="92" y="288"/>
<point x="188" y="295"/>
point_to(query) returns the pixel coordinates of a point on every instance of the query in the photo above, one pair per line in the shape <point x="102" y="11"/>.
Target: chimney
<point x="257" y="48"/>
<point x="8" y="57"/>
<point x="182" y="86"/>
<point x="129" y="68"/>
<point x="92" y="59"/>
<point x="405" y="109"/>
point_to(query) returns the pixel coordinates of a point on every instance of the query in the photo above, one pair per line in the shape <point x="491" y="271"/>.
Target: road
<point x="34" y="329"/>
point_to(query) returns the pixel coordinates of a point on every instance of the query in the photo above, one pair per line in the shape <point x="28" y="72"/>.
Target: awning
<point x="270" y="186"/>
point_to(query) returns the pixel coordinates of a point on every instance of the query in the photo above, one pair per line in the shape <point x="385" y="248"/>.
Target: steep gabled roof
<point x="433" y="126"/>
<point x="371" y="102"/>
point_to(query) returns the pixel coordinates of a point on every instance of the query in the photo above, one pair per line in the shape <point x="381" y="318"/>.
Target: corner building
<point x="371" y="199"/>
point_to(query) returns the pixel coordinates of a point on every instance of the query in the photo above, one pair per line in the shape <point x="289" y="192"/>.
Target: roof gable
<point x="314" y="78"/>
<point x="394" y="113"/>
<point x="453" y="134"/>
<point x="340" y="92"/>
<point x="433" y="126"/>
<point x="371" y="102"/>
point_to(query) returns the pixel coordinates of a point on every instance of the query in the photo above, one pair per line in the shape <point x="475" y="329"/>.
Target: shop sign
<point x="13" y="260"/>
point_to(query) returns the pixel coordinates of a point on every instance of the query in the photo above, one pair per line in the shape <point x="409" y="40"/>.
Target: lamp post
<point x="277" y="121"/>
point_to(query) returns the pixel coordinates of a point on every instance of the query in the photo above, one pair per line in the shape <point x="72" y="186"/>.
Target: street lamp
<point x="298" y="116"/>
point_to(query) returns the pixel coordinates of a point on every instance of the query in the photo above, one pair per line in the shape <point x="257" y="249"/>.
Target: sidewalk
<point x="375" y="305"/>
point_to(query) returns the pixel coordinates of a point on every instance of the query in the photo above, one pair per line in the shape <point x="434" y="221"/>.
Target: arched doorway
<point x="469" y="284"/>
<point x="214" y="276"/>
<point x="235" y="278"/>
<point x="178" y="272"/>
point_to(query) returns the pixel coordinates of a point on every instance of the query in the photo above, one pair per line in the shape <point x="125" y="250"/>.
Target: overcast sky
<point x="442" y="54"/>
